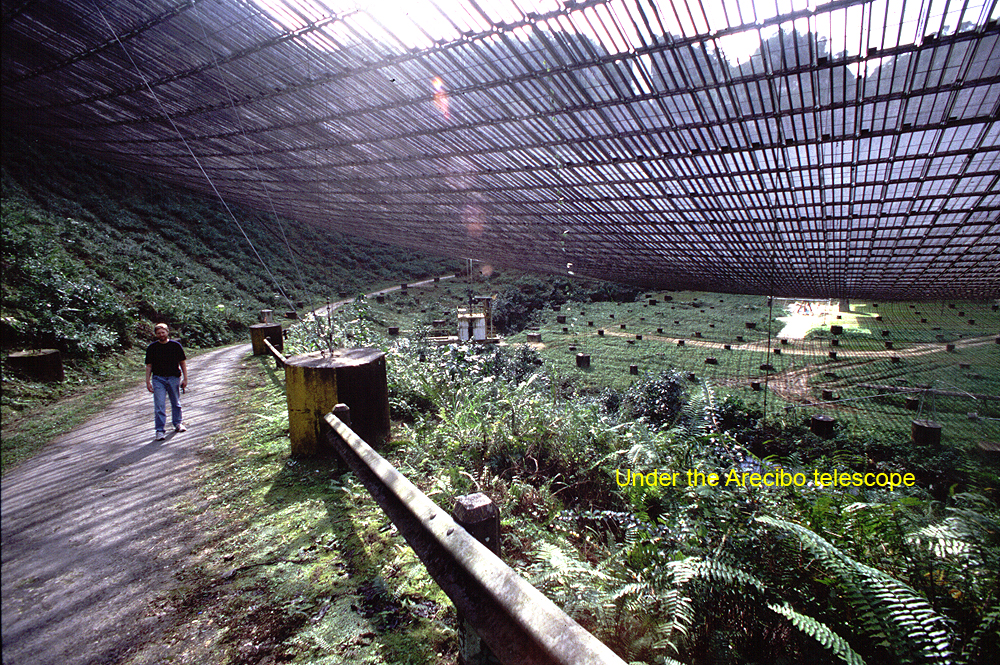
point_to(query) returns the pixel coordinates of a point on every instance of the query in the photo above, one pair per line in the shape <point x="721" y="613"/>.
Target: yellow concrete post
<point x="316" y="382"/>
<point x="311" y="389"/>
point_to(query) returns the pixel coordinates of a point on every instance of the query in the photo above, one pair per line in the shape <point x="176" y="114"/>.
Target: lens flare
<point x="441" y="97"/>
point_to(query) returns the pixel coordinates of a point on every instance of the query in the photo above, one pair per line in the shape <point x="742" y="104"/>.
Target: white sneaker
<point x="160" y="436"/>
<point x="181" y="428"/>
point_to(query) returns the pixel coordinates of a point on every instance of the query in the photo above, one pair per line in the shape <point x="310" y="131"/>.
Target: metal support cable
<point x="260" y="178"/>
<point x="197" y="161"/>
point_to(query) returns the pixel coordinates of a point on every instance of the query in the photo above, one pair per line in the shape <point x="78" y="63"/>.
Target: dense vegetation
<point x="690" y="571"/>
<point x="92" y="256"/>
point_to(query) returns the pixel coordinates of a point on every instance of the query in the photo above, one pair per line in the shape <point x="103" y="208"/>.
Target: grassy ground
<point x="309" y="569"/>
<point x="919" y="335"/>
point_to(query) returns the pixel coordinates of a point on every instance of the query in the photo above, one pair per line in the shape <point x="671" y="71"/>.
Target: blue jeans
<point x="163" y="387"/>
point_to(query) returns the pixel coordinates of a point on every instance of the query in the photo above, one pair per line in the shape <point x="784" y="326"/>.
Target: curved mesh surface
<point x="845" y="149"/>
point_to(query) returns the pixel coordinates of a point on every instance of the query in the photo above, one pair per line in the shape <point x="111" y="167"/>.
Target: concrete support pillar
<point x="37" y="365"/>
<point x="315" y="383"/>
<point x="925" y="432"/>
<point x="270" y="331"/>
<point x="822" y="426"/>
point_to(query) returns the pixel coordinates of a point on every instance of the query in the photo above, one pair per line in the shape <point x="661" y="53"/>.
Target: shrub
<point x="655" y="399"/>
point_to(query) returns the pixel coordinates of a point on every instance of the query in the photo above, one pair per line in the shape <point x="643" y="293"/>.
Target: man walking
<point x="166" y="375"/>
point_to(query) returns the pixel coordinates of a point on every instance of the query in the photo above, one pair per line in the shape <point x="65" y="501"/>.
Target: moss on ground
<point x="307" y="568"/>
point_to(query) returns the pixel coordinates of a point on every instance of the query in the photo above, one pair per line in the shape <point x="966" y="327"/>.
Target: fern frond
<point x="680" y="606"/>
<point x="888" y="610"/>
<point x="951" y="538"/>
<point x="698" y="414"/>
<point x="819" y="632"/>
<point x="987" y="633"/>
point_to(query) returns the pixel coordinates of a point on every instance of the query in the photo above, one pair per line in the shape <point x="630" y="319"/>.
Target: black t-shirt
<point x="165" y="358"/>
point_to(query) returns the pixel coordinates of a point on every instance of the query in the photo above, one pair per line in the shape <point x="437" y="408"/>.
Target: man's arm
<point x="149" y="378"/>
<point x="184" y="374"/>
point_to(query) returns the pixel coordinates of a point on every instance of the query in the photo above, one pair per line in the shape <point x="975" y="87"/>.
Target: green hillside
<point x="93" y="255"/>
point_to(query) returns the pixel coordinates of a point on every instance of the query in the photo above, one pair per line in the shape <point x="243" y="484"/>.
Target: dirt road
<point x="97" y="524"/>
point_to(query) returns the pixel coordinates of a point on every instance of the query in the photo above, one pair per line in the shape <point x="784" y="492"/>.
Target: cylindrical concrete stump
<point x="633" y="369"/>
<point x="379" y="297"/>
<point x="680" y="342"/>
<point x="926" y="432"/>
<point x="600" y="333"/>
<point x="833" y="355"/>
<point x="767" y="367"/>
<point x="888" y="346"/>
<point x="827" y="395"/>
<point x="269" y="331"/>
<point x="739" y="338"/>
<point x="755" y="385"/>
<point x="316" y="382"/>
<point x="836" y="330"/>
<point x="534" y="338"/>
<point x="697" y="334"/>
<point x="912" y="403"/>
<point x="949" y="347"/>
<point x="583" y="360"/>
<point x="822" y="426"/>
<point x="777" y="351"/>
<point x="750" y="325"/>
<point x="834" y="342"/>
<point x="711" y="361"/>
<point x="362" y="385"/>
<point x="561" y="318"/>
<point x="393" y="330"/>
<point x="267" y="316"/>
<point x="37" y="365"/>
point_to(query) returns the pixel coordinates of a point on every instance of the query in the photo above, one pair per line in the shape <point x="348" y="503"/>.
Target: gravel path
<point x="97" y="524"/>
